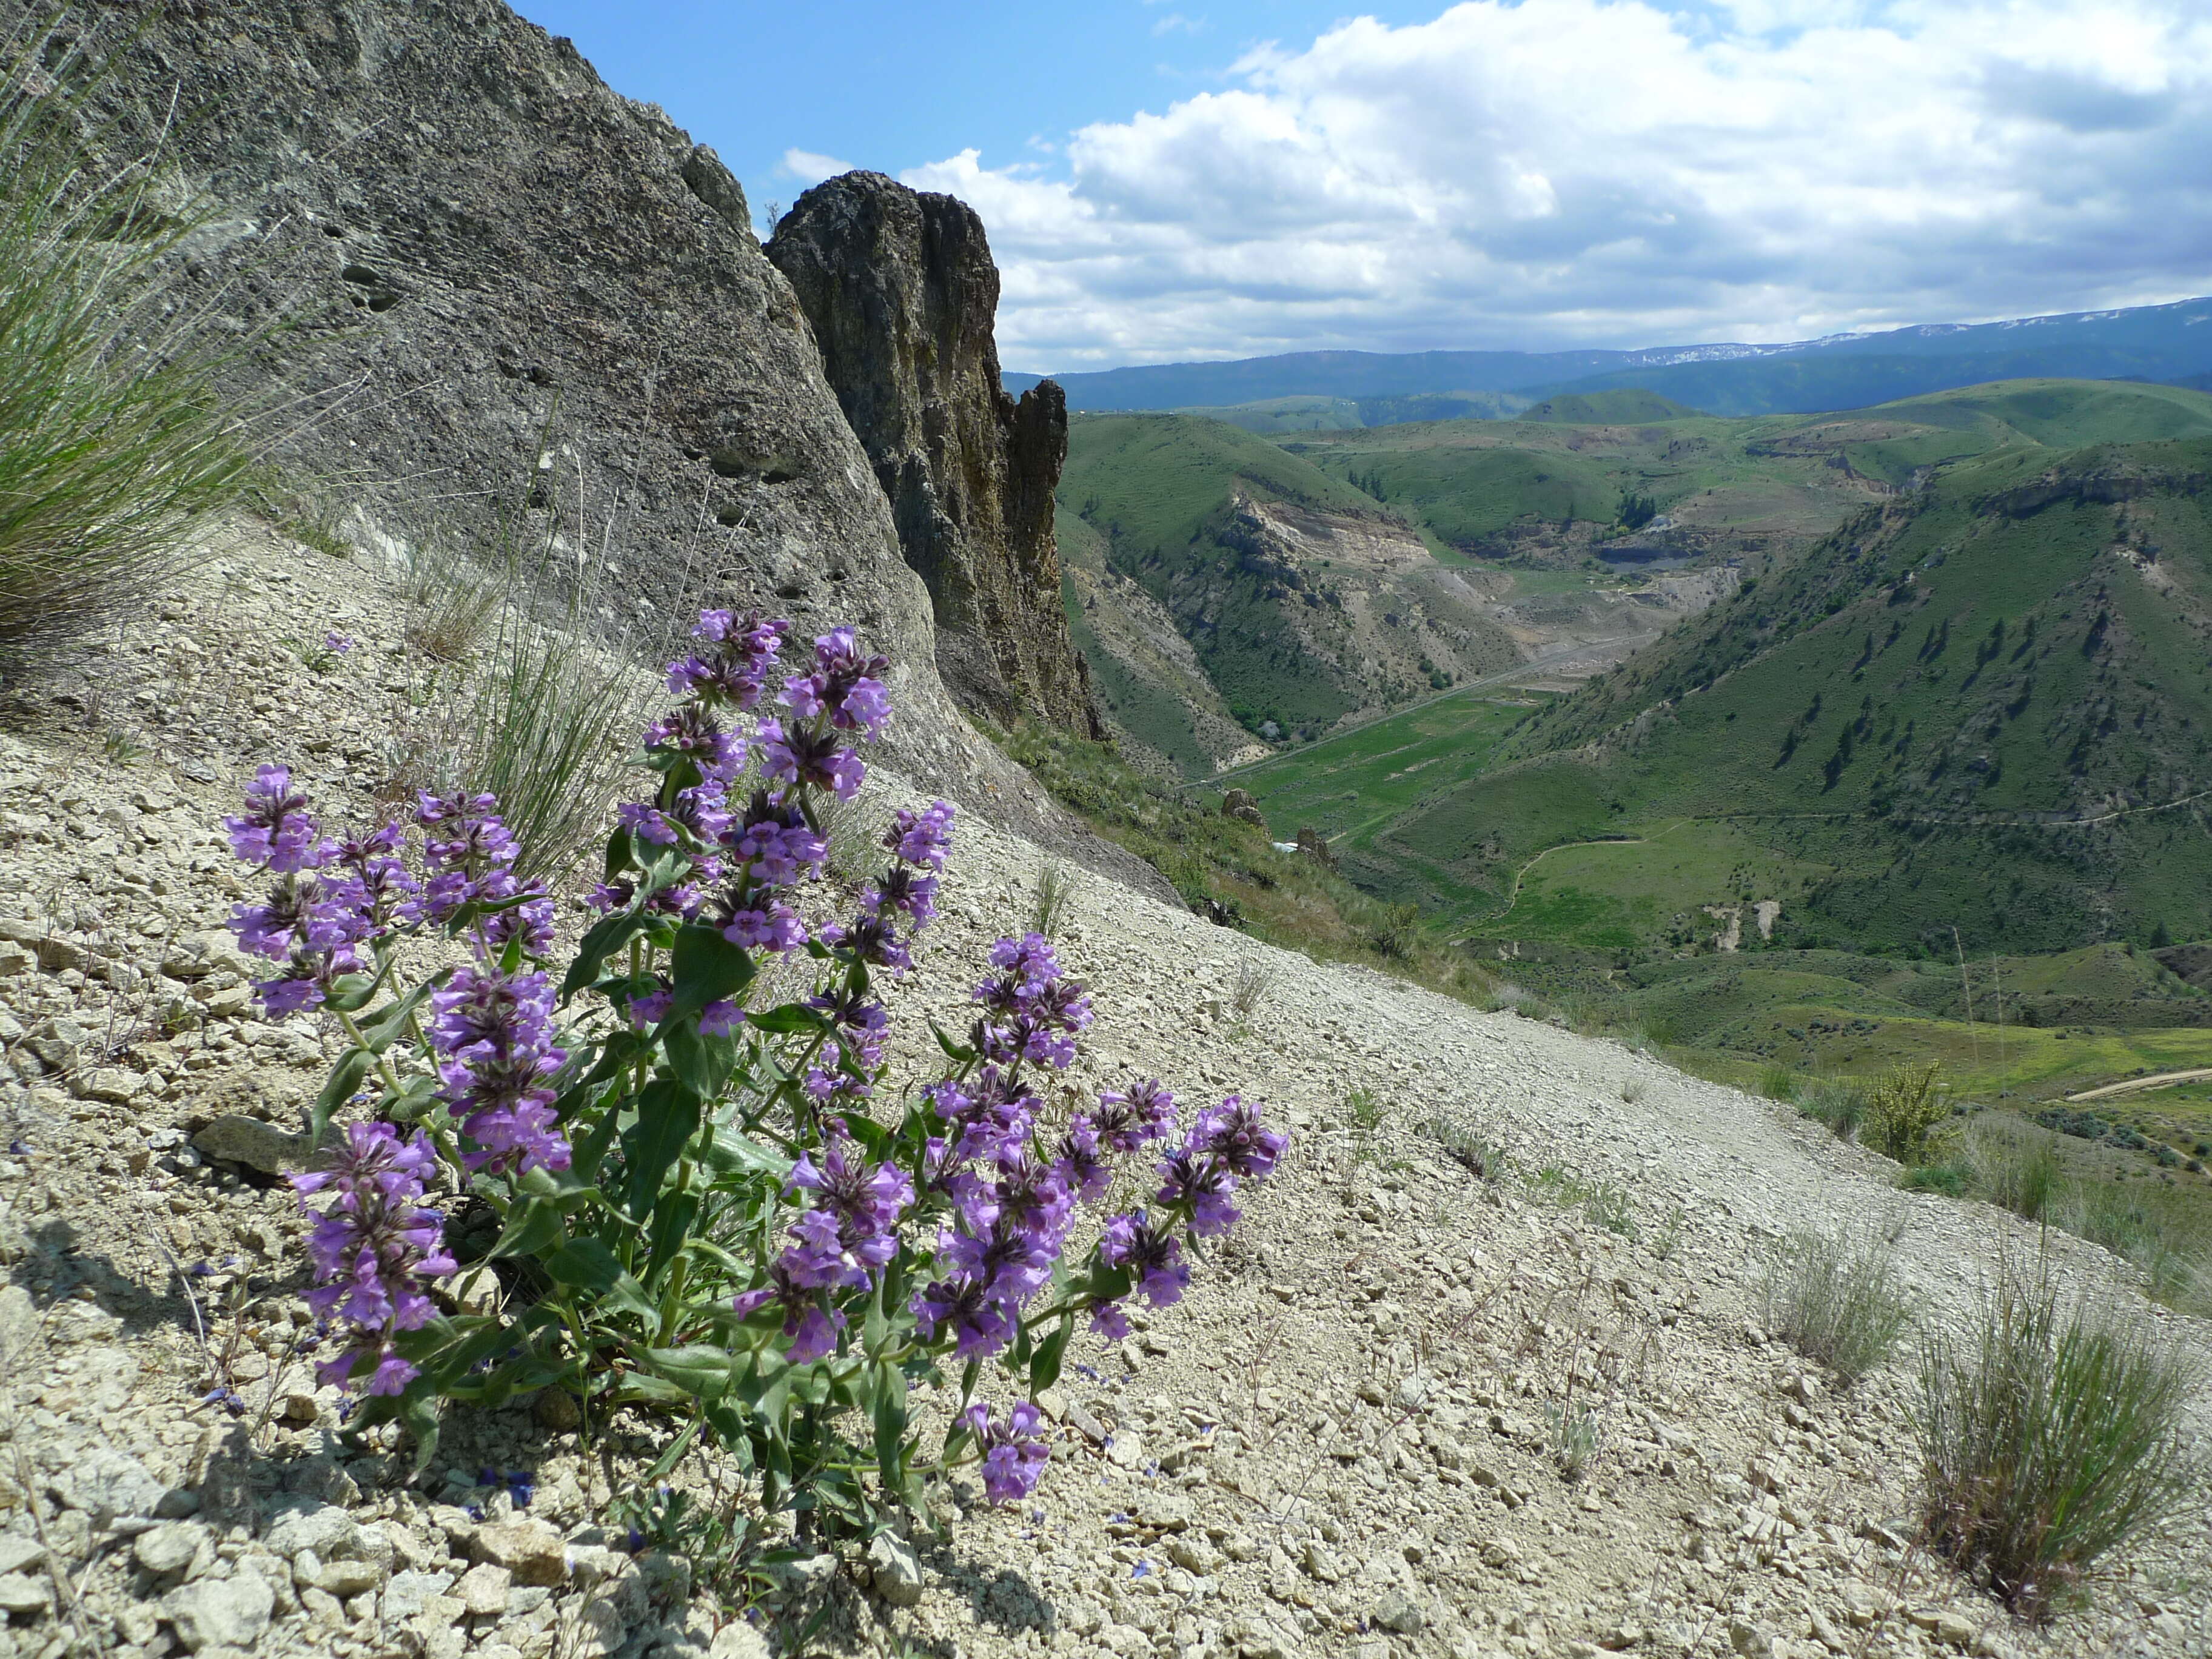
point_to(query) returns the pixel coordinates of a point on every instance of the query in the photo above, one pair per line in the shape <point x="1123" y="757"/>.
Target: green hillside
<point x="1630" y="406"/>
<point x="1984" y="705"/>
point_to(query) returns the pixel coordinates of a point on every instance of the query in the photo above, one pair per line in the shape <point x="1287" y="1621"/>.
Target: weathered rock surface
<point x="508" y="283"/>
<point x="902" y="292"/>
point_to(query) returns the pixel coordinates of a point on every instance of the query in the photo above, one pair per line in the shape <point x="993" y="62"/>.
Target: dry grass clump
<point x="2051" y="1436"/>
<point x="1837" y="1300"/>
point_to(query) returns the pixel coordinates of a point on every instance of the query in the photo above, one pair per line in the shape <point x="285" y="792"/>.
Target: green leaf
<point x="953" y="1050"/>
<point x="344" y="1081"/>
<point x="701" y="1371"/>
<point x="791" y="1016"/>
<point x="707" y="967"/>
<point x="671" y="1226"/>
<point x="533" y="1226"/>
<point x="618" y="855"/>
<point x="702" y="1063"/>
<point x="891" y="1421"/>
<point x="606" y="936"/>
<point x="585" y="1264"/>
<point x="732" y="1153"/>
<point x="418" y="1410"/>
<point x="1044" y="1363"/>
<point x="350" y="992"/>
<point x="667" y="1118"/>
<point x="392" y="1020"/>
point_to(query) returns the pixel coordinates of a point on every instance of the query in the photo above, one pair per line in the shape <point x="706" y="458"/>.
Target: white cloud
<point x="1176" y="23"/>
<point x="1609" y="172"/>
<point x="809" y="168"/>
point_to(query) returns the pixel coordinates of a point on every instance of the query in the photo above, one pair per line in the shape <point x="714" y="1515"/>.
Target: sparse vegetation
<point x="115" y="443"/>
<point x="1838" y="1102"/>
<point x="1837" y="1300"/>
<point x="2052" y="1437"/>
<point x="1055" y="888"/>
<point x="1254" y="979"/>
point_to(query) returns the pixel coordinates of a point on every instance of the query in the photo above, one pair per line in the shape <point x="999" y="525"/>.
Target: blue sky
<point x="1194" y="179"/>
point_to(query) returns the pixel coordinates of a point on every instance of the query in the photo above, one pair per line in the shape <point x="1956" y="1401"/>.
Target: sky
<point x="1169" y="180"/>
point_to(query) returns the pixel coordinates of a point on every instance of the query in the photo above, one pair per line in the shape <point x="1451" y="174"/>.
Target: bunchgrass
<point x="2015" y="1166"/>
<point x="454" y="600"/>
<point x="2051" y="1436"/>
<point x="116" y="445"/>
<point x="1838" y="1102"/>
<point x="1836" y="1299"/>
<point x="1055" y="890"/>
<point x="1254" y="979"/>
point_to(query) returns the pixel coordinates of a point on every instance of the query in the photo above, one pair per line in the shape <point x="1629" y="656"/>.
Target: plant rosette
<point x="717" y="1211"/>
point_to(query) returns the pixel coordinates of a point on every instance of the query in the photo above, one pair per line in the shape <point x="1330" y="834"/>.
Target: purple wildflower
<point x="496" y="1031"/>
<point x="776" y="841"/>
<point x="720" y="1018"/>
<point x="690" y="730"/>
<point x="275" y="830"/>
<point x="730" y="669"/>
<point x="373" y="1248"/>
<point x="1126" y="1119"/>
<point x="864" y="1200"/>
<point x="902" y="891"/>
<point x="1083" y="1164"/>
<point x="646" y="822"/>
<point x="1231" y="1133"/>
<point x="1151" y="1254"/>
<point x="811" y="1329"/>
<point x="982" y="1327"/>
<point x="847" y="685"/>
<point x="806" y="757"/>
<point x="1014" y="1452"/>
<point x="922" y="838"/>
<point x="1198" y="1184"/>
<point x="759" y="921"/>
<point x="861" y="1022"/>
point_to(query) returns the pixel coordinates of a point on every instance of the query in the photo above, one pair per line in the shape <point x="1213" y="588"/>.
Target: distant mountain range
<point x="2168" y="344"/>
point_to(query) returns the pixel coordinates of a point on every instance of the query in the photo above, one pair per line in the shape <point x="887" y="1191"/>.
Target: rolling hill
<point x="2149" y="343"/>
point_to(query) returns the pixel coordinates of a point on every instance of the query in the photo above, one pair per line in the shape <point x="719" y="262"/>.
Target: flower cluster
<point x="843" y="1242"/>
<point x="1014" y="1452"/>
<point x="316" y="917"/>
<point x="1031" y="1012"/>
<point x="494" y="1034"/>
<point x="373" y="1248"/>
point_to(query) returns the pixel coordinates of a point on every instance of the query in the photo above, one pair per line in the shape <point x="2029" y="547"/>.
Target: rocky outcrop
<point x="508" y="283"/>
<point x="902" y="294"/>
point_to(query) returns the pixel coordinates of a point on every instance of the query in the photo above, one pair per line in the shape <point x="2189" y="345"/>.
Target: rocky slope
<point x="902" y="294"/>
<point x="1340" y="1443"/>
<point x="505" y="283"/>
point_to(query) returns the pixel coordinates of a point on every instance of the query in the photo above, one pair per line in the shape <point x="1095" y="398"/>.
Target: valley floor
<point x="1340" y="1443"/>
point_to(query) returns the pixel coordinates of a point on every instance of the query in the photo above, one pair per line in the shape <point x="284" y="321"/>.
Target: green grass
<point x="2052" y="1436"/>
<point x="116" y="443"/>
<point x="1837" y="1300"/>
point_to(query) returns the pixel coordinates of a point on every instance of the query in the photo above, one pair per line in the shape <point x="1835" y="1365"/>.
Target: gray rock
<point x="255" y="1144"/>
<point x="1395" y="1610"/>
<point x="484" y="1589"/>
<point x="896" y="1570"/>
<point x="170" y="1547"/>
<point x="738" y="1640"/>
<point x="301" y="1522"/>
<point x="19" y="1553"/>
<point x="901" y="293"/>
<point x="107" y="1485"/>
<point x="406" y="1594"/>
<point x="25" y="1593"/>
<point x="531" y="1549"/>
<point x="226" y="1613"/>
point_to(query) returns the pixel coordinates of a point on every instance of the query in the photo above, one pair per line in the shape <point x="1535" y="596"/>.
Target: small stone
<point x="896" y="1570"/>
<point x="531" y="1549"/>
<point x="21" y="1593"/>
<point x="107" y="1485"/>
<point x="556" y="1409"/>
<point x="406" y="1594"/>
<point x="484" y="1589"/>
<point x="1395" y="1610"/>
<point x="170" y="1547"/>
<point x="18" y="1554"/>
<point x="1320" y="1564"/>
<point x="306" y="1523"/>
<point x="110" y="1083"/>
<point x="250" y="1142"/>
<point x="229" y="1613"/>
<point x="345" y="1578"/>
<point x="1955" y="1629"/>
<point x="738" y="1640"/>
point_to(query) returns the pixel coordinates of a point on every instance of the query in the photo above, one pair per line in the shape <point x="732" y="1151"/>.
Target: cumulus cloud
<point x="1613" y="172"/>
<point x="810" y="168"/>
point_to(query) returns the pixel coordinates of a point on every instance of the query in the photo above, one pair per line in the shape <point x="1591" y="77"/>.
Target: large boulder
<point x="902" y="292"/>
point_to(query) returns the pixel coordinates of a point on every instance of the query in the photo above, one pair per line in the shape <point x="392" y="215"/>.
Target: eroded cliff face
<point x="902" y="294"/>
<point x="508" y="283"/>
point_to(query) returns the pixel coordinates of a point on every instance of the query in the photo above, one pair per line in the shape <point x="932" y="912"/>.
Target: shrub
<point x="1836" y="1300"/>
<point x="1396" y="934"/>
<point x="1902" y="1108"/>
<point x="2051" y="1435"/>
<point x="115" y="444"/>
<point x="720" y="1213"/>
